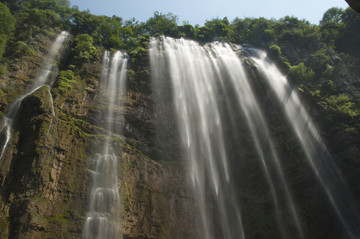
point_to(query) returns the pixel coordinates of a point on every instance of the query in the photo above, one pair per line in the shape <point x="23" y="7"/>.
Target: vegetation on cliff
<point x="322" y="62"/>
<point x="308" y="53"/>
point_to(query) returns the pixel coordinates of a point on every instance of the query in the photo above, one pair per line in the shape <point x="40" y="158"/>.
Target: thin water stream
<point x="103" y="217"/>
<point x="41" y="79"/>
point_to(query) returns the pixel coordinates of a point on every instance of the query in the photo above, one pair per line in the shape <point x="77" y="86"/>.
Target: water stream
<point x="42" y="78"/>
<point x="103" y="217"/>
<point x="212" y="95"/>
<point x="315" y="150"/>
<point x="199" y="75"/>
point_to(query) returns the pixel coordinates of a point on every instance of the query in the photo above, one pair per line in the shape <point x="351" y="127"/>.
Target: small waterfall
<point x="47" y="67"/>
<point x="315" y="150"/>
<point x="41" y="79"/>
<point x="52" y="114"/>
<point x="5" y="129"/>
<point x="104" y="205"/>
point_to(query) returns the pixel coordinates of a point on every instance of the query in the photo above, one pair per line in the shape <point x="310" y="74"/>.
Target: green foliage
<point x="7" y="27"/>
<point x="333" y="15"/>
<point x="297" y="31"/>
<point x="259" y="32"/>
<point x="301" y="73"/>
<point x="188" y="31"/>
<point x="3" y="69"/>
<point x="216" y="29"/>
<point x="319" y="60"/>
<point x="349" y="36"/>
<point x="137" y="47"/>
<point x="331" y="25"/>
<point x="21" y="48"/>
<point x="107" y="31"/>
<point x="162" y="24"/>
<point x="275" y="50"/>
<point x="31" y="22"/>
<point x="84" y="50"/>
<point x="342" y="103"/>
<point x="65" y="81"/>
<point x="283" y="38"/>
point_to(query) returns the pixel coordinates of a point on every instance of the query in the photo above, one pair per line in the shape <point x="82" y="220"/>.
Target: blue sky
<point x="198" y="11"/>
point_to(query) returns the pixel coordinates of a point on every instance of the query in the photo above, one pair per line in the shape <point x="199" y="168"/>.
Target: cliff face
<point x="41" y="169"/>
<point x="45" y="182"/>
<point x="44" y="179"/>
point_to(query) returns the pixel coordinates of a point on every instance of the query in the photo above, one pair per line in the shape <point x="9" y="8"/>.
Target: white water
<point x="41" y="79"/>
<point x="199" y="75"/>
<point x="209" y="86"/>
<point x="52" y="114"/>
<point x="315" y="150"/>
<point x="103" y="217"/>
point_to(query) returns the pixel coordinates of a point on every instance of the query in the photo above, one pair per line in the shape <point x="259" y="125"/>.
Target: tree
<point x="256" y="31"/>
<point x="349" y="37"/>
<point x="319" y="60"/>
<point x="333" y="15"/>
<point x="33" y="21"/>
<point x="162" y="24"/>
<point x="216" y="29"/>
<point x="84" y="49"/>
<point x="7" y="26"/>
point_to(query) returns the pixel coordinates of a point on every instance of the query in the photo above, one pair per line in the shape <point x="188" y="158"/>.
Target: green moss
<point x="65" y="81"/>
<point x="60" y="218"/>
<point x="39" y="218"/>
<point x="3" y="69"/>
<point x="4" y="224"/>
<point x="78" y="127"/>
<point x="39" y="200"/>
<point x="38" y="150"/>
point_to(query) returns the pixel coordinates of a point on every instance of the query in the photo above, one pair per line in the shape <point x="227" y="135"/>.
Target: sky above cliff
<point x="198" y="11"/>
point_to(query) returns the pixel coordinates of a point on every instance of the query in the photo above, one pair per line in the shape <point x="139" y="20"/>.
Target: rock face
<point x="43" y="173"/>
<point x="44" y="182"/>
<point x="155" y="199"/>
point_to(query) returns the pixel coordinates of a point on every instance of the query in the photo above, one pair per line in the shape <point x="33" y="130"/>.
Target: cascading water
<point x="198" y="76"/>
<point x="104" y="205"/>
<point x="315" y="150"/>
<point x="212" y="94"/>
<point x="194" y="83"/>
<point x="41" y="79"/>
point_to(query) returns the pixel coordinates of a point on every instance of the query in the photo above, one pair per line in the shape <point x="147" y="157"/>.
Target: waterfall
<point x="199" y="75"/>
<point x="216" y="106"/>
<point x="315" y="150"/>
<point x="194" y="83"/>
<point x="42" y="78"/>
<point x="103" y="217"/>
<point x="53" y="114"/>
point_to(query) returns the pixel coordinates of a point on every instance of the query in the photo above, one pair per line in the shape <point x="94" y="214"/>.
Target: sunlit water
<point x="199" y="75"/>
<point x="210" y="89"/>
<point x="103" y="217"/>
<point x="315" y="150"/>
